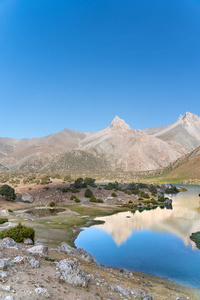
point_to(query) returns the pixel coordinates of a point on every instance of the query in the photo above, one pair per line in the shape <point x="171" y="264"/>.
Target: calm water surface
<point x="155" y="241"/>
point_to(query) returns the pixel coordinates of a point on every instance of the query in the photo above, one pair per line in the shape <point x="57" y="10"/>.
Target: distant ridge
<point x="116" y="148"/>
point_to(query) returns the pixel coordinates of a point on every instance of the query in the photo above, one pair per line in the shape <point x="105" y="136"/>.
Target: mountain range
<point x="115" y="148"/>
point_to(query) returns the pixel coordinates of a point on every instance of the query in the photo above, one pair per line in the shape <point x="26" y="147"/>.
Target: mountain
<point x="183" y="135"/>
<point x="114" y="148"/>
<point x="128" y="149"/>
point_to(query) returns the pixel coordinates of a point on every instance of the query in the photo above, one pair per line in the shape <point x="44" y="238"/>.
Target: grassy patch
<point x="95" y="211"/>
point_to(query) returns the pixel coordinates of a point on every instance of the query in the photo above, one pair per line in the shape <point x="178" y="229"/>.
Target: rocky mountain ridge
<point x="117" y="148"/>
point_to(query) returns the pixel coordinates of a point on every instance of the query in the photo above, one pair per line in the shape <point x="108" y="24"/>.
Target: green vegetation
<point x="18" y="233"/>
<point x="88" y="193"/>
<point x="52" y="204"/>
<point x="183" y="189"/>
<point x="144" y="195"/>
<point x="49" y="259"/>
<point x="10" y="210"/>
<point x="93" y="199"/>
<point x="8" y="192"/>
<point x="3" y="220"/>
<point x="96" y="211"/>
<point x="63" y="189"/>
<point x="142" y="186"/>
<point x="77" y="200"/>
<point x="127" y="192"/>
<point x="72" y="197"/>
<point x="114" y="195"/>
<point x="195" y="237"/>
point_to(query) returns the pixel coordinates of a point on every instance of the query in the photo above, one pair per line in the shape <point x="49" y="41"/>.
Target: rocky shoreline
<point x="36" y="272"/>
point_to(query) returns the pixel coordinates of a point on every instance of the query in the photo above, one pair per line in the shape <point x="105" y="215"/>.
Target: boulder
<point x="28" y="241"/>
<point x="3" y="274"/>
<point x="3" y="264"/>
<point x="39" y="249"/>
<point x="27" y="198"/>
<point x="42" y="292"/>
<point x="70" y="272"/>
<point x="79" y="253"/>
<point x="4" y="213"/>
<point x="26" y="260"/>
<point x="168" y="202"/>
<point x="8" y="243"/>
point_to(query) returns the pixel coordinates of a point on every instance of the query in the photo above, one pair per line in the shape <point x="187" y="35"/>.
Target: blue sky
<point x="78" y="63"/>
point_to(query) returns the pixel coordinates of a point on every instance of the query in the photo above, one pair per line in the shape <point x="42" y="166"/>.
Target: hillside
<point x="188" y="167"/>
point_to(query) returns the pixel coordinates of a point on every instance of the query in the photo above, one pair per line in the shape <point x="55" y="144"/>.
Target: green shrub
<point x="127" y="192"/>
<point x="93" y="199"/>
<point x="113" y="195"/>
<point x="46" y="188"/>
<point x="147" y="201"/>
<point x="88" y="193"/>
<point x="142" y="186"/>
<point x="74" y="190"/>
<point x="144" y="195"/>
<point x="135" y="191"/>
<point x="77" y="200"/>
<point x="140" y="199"/>
<point x="89" y="181"/>
<point x="52" y="204"/>
<point x="153" y="201"/>
<point x="161" y="198"/>
<point x="8" y="192"/>
<point x="18" y="233"/>
<point x="3" y="220"/>
<point x="153" y="189"/>
<point x="63" y="189"/>
<point x="30" y="189"/>
<point x="72" y="197"/>
<point x="130" y="201"/>
<point x="10" y="210"/>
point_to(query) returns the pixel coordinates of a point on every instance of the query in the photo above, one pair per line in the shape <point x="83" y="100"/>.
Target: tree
<point x="8" y="192"/>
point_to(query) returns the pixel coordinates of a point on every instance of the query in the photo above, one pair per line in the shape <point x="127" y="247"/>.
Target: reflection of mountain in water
<point x="181" y="221"/>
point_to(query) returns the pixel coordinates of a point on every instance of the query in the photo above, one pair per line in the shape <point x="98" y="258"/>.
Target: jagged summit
<point x="118" y="123"/>
<point x="189" y="117"/>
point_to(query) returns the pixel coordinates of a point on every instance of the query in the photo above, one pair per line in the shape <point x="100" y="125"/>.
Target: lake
<point x="156" y="241"/>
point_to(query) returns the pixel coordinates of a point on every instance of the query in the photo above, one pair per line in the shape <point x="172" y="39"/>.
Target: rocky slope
<point x="183" y="135"/>
<point x="114" y="148"/>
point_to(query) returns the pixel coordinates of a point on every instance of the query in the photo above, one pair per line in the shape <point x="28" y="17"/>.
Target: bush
<point x="144" y="195"/>
<point x="46" y="188"/>
<point x="10" y="210"/>
<point x="127" y="192"/>
<point x="72" y="197"/>
<point x="52" y="204"/>
<point x="77" y="200"/>
<point x="93" y="199"/>
<point x="140" y="199"/>
<point x="78" y="183"/>
<point x="18" y="233"/>
<point x="113" y="195"/>
<point x="3" y="220"/>
<point x="89" y="181"/>
<point x="142" y="186"/>
<point x="8" y="192"/>
<point x="64" y="189"/>
<point x="111" y="186"/>
<point x="88" y="193"/>
<point x="153" y="201"/>
<point x="135" y="191"/>
<point x="130" y="201"/>
<point x="153" y="189"/>
<point x="74" y="190"/>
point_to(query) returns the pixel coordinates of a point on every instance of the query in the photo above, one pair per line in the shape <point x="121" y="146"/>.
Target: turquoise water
<point x="156" y="241"/>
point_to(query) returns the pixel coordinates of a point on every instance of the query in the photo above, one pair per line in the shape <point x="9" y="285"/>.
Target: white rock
<point x="39" y="249"/>
<point x="8" y="243"/>
<point x="42" y="292"/>
<point x="71" y="273"/>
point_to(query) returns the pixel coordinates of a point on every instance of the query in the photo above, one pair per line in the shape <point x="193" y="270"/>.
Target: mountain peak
<point x="189" y="117"/>
<point x="118" y="123"/>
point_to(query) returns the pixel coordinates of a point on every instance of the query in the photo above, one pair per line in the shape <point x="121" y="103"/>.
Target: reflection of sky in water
<point x="155" y="241"/>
